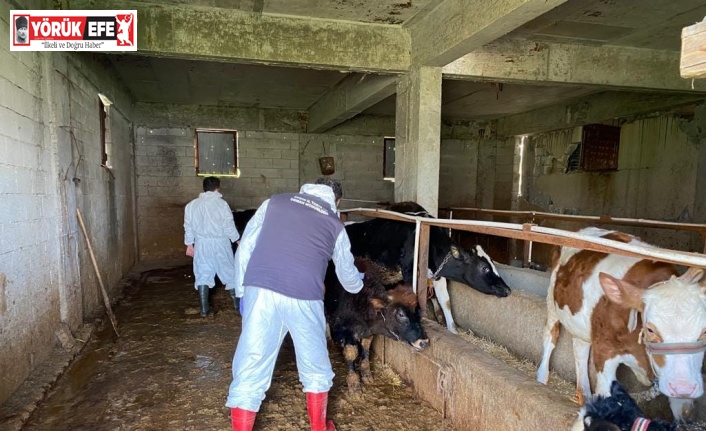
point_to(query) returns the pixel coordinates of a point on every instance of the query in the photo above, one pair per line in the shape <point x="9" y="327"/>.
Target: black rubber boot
<point x="236" y="301"/>
<point x="203" y="296"/>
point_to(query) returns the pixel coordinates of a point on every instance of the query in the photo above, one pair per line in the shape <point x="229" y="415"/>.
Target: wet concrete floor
<point x="170" y="370"/>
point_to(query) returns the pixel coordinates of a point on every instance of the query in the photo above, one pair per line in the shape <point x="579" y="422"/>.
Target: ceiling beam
<point x="456" y="27"/>
<point x="223" y="34"/>
<point x="591" y="109"/>
<point x="528" y="62"/>
<point x="348" y="98"/>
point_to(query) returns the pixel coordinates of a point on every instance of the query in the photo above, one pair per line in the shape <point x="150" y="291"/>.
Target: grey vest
<point x="296" y="242"/>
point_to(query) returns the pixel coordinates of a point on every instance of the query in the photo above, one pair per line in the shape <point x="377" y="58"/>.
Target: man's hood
<point x="210" y="195"/>
<point x="321" y="191"/>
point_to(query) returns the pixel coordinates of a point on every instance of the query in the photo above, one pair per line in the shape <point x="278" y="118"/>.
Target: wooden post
<point x="527" y="252"/>
<point x="106" y="300"/>
<point x="422" y="266"/>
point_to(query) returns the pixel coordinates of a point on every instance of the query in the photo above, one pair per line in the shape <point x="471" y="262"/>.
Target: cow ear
<point x="377" y="303"/>
<point x="621" y="292"/>
<point x="455" y="252"/>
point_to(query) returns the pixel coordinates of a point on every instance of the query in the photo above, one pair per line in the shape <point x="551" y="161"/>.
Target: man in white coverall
<point x="280" y="267"/>
<point x="209" y="231"/>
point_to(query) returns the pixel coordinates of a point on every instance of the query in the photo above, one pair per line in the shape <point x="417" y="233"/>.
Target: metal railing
<point x="528" y="232"/>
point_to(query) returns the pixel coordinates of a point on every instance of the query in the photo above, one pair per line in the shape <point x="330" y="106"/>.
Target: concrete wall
<point x="472" y="389"/>
<point x="656" y="179"/>
<point x="276" y="156"/>
<point x="104" y="195"/>
<point x="49" y="166"/>
<point x="458" y="176"/>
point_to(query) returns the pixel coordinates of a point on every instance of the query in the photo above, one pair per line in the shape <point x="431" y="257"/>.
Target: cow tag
<point x="455" y="252"/>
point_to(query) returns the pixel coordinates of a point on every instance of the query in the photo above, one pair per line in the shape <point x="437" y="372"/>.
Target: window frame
<point x="385" y="175"/>
<point x="234" y="132"/>
<point x="103" y="118"/>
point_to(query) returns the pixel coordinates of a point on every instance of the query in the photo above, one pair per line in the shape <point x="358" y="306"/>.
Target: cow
<point x="628" y="310"/>
<point x="390" y="243"/>
<point x="241" y="219"/>
<point x="355" y="318"/>
<point x="620" y="412"/>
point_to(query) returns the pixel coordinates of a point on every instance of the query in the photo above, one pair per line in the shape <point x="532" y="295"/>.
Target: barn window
<point x="388" y="159"/>
<point x="599" y="147"/>
<point x="597" y="151"/>
<point x="105" y="141"/>
<point x="216" y="152"/>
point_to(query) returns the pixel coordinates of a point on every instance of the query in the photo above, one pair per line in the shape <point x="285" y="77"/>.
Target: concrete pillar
<point x="418" y="137"/>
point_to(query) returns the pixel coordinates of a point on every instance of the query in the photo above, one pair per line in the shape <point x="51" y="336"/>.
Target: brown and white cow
<point x="616" y="306"/>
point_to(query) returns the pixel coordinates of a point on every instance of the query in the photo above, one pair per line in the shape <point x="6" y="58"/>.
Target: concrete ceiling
<point x="370" y="11"/>
<point x="488" y="101"/>
<point x="166" y="80"/>
<point x="654" y="24"/>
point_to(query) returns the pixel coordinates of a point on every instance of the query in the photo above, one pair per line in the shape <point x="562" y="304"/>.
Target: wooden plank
<point x="693" y="51"/>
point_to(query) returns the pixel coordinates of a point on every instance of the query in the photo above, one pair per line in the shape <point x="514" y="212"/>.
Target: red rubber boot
<point x="316" y="406"/>
<point x="242" y="420"/>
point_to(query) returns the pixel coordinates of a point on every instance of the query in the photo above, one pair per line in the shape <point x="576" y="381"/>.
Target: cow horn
<point x="692" y="275"/>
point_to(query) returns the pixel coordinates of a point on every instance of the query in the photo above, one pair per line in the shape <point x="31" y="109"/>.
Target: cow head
<point x="401" y="318"/>
<point x="474" y="268"/>
<point x="674" y="316"/>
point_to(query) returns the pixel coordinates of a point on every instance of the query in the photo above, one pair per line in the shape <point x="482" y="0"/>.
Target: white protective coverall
<point x="208" y="224"/>
<point x="268" y="316"/>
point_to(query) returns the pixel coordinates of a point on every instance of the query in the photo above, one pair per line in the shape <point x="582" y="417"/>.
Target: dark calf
<point x="355" y="318"/>
<point x="620" y="412"/>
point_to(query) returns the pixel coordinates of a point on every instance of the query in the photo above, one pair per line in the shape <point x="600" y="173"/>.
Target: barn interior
<point x="452" y="104"/>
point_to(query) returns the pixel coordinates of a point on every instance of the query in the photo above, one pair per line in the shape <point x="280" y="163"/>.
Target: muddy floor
<point x="170" y="370"/>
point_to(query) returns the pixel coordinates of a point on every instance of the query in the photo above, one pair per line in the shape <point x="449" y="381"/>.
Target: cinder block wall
<point x="49" y="166"/>
<point x="458" y="174"/>
<point x="104" y="194"/>
<point x="275" y="156"/>
<point x="359" y="163"/>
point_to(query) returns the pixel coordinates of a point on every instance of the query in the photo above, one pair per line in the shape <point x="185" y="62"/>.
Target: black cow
<point x="620" y="412"/>
<point x="354" y="318"/>
<point x="241" y="219"/>
<point x="390" y="243"/>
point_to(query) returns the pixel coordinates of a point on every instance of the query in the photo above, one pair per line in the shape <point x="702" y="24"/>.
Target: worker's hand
<point x="361" y="275"/>
<point x="190" y="250"/>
